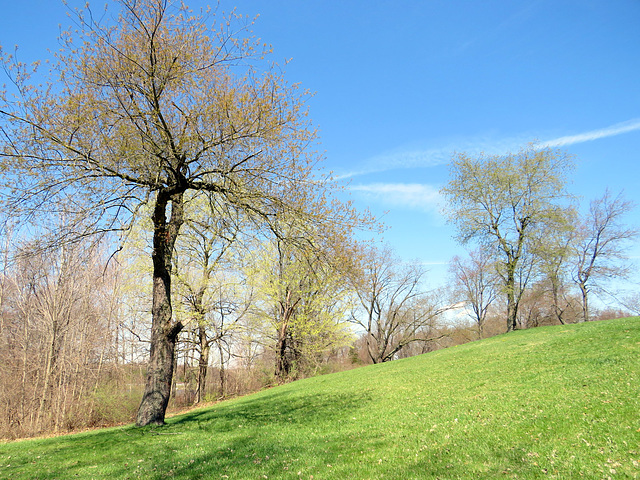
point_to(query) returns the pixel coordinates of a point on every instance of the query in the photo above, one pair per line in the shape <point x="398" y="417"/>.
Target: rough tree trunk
<point x="512" y="308"/>
<point x="558" y="312"/>
<point x="511" y="314"/>
<point x="203" y="364"/>
<point x="164" y="331"/>
<point x="373" y="349"/>
<point x="282" y="364"/>
<point x="223" y="372"/>
<point x="585" y="302"/>
<point x="286" y="311"/>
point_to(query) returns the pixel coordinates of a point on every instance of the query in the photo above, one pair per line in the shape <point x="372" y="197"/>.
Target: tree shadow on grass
<point x="281" y="436"/>
<point x="272" y="435"/>
<point x="278" y="407"/>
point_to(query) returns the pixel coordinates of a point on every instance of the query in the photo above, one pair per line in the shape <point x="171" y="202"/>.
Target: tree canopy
<point x="502" y="202"/>
<point x="151" y="105"/>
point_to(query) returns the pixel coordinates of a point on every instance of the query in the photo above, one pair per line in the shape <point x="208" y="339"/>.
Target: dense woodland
<point x="168" y="234"/>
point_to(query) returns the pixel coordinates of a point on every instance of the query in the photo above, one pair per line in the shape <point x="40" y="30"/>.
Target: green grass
<point x="554" y="402"/>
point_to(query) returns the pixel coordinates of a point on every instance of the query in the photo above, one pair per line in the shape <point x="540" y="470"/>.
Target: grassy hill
<point x="555" y="402"/>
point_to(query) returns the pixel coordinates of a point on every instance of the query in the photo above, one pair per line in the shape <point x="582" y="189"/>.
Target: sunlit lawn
<point x="554" y="402"/>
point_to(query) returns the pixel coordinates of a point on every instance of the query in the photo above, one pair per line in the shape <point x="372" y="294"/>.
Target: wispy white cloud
<point x="488" y="144"/>
<point x="492" y="32"/>
<point x="400" y="160"/>
<point x="613" y="130"/>
<point x="423" y="158"/>
<point x="409" y="195"/>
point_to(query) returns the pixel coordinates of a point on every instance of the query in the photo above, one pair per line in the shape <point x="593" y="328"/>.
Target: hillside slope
<point x="553" y="402"/>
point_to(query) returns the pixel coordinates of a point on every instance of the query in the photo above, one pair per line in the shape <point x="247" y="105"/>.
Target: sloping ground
<point x="554" y="402"/>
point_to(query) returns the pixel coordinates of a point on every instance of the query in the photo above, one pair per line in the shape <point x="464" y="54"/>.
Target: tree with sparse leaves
<point x="151" y="106"/>
<point x="476" y="283"/>
<point x="208" y="255"/>
<point x="501" y="201"/>
<point x="601" y="241"/>
<point x="302" y="297"/>
<point x="554" y="251"/>
<point x="392" y="307"/>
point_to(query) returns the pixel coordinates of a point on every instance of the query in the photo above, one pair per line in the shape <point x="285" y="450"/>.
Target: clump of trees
<point x="536" y="250"/>
<point x="153" y="123"/>
<point x="153" y="107"/>
<point x="59" y="344"/>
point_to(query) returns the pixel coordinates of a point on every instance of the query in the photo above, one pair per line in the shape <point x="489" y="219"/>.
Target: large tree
<point x="150" y="105"/>
<point x="501" y="201"/>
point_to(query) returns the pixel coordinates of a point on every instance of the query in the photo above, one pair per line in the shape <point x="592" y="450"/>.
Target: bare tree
<point x="476" y="282"/>
<point x="55" y="342"/>
<point x="631" y="302"/>
<point x="393" y="309"/>
<point x="602" y="240"/>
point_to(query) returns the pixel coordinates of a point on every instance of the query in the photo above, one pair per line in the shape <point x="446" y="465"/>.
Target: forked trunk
<point x="223" y="372"/>
<point x="282" y="364"/>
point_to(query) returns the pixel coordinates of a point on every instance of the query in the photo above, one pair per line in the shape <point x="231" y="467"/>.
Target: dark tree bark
<point x="283" y="366"/>
<point x="164" y="331"/>
<point x="223" y="372"/>
<point x="203" y="363"/>
<point x="512" y="305"/>
<point x="160" y="106"/>
<point x="504" y="202"/>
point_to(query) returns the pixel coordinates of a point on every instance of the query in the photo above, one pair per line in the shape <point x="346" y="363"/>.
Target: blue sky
<point x="400" y="85"/>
